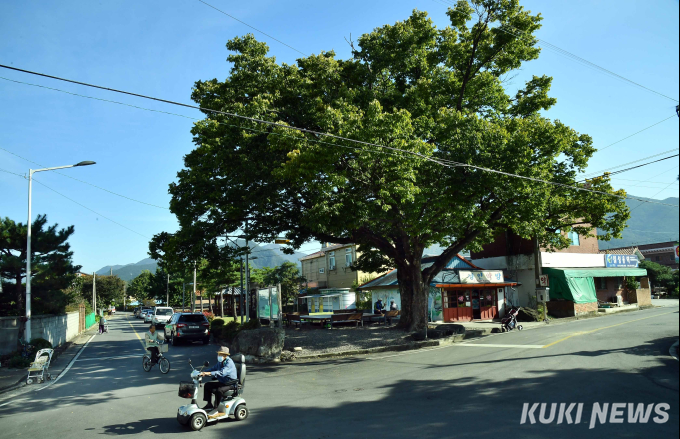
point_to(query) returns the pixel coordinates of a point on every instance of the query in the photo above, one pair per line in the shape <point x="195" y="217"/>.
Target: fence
<point x="89" y="320"/>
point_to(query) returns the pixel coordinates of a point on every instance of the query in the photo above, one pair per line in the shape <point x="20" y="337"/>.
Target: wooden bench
<point x="293" y="318"/>
<point x="389" y="315"/>
<point x="347" y="318"/>
<point x="344" y="311"/>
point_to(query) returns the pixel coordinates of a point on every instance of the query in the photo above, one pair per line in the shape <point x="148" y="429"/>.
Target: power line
<point x="79" y="204"/>
<point x="652" y="197"/>
<point x="598" y="173"/>
<point x="252" y="27"/>
<point x="634" y="134"/>
<point x="441" y="162"/>
<point x="81" y="181"/>
<point x="578" y="58"/>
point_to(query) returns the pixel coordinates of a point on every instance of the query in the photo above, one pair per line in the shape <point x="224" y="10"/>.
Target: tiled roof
<point x="449" y="275"/>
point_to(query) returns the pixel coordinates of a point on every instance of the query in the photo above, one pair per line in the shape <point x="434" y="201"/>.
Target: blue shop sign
<point x="621" y="261"/>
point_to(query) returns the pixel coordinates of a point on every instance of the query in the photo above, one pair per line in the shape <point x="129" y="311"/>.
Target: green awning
<point x="577" y="284"/>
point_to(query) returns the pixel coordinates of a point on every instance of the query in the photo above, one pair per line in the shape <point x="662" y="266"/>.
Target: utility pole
<point x="94" y="292"/>
<point x="247" y="278"/>
<point x="183" y="284"/>
<point x="240" y="296"/>
<point x="193" y="302"/>
<point x="279" y="302"/>
<point x="167" y="291"/>
<point x="124" y="295"/>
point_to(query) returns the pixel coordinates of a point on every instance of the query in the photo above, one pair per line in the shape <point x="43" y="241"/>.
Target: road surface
<point x="477" y="389"/>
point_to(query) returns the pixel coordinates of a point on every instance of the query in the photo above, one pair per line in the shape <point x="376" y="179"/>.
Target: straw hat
<point x="223" y="350"/>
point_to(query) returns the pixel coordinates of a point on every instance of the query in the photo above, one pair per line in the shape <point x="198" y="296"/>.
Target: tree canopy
<point x="110" y="290"/>
<point x="438" y="99"/>
<point x="52" y="268"/>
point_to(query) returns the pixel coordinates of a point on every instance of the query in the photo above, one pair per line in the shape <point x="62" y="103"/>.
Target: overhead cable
<point x="612" y="171"/>
<point x="445" y="163"/>
<point x="85" y="182"/>
<point x="577" y="58"/>
<point x="252" y="27"/>
<point x="79" y="204"/>
<point x="634" y="134"/>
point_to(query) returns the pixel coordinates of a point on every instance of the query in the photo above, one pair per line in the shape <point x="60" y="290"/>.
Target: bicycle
<point x="163" y="363"/>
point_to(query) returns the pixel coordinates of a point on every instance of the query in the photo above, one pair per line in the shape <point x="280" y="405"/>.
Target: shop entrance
<point x="464" y="305"/>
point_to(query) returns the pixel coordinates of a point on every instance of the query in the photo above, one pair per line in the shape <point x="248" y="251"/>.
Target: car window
<point x="163" y="311"/>
<point x="193" y="318"/>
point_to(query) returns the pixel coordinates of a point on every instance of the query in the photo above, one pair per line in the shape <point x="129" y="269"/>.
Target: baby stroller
<point x="39" y="367"/>
<point x="509" y="322"/>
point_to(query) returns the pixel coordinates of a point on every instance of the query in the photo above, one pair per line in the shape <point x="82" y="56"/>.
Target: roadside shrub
<point x="40" y="343"/>
<point x="216" y="325"/>
<point x="230" y="330"/>
<point x="19" y="362"/>
<point x="251" y="324"/>
<point x="210" y="316"/>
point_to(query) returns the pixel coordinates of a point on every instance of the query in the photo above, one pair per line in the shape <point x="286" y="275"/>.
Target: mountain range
<point x="648" y="223"/>
<point x="269" y="255"/>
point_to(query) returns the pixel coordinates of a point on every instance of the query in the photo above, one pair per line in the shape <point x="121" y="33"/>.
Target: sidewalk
<point x="11" y="379"/>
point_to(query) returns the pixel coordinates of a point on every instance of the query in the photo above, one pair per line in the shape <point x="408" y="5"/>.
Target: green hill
<point x="649" y="223"/>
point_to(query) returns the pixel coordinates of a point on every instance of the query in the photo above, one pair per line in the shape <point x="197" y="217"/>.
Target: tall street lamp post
<point x="28" y="242"/>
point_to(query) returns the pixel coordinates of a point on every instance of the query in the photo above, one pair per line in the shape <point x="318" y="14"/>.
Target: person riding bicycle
<point x="151" y="342"/>
<point x="224" y="371"/>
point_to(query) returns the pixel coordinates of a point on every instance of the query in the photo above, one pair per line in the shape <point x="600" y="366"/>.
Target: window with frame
<point x="322" y="270"/>
<point x="574" y="238"/>
<point x="657" y="258"/>
<point x="331" y="261"/>
<point x="348" y="258"/>
<point x="601" y="283"/>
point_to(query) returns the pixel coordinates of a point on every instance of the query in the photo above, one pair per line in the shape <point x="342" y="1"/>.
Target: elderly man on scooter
<point x="224" y="371"/>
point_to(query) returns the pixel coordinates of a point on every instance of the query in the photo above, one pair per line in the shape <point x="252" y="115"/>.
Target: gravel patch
<point x="315" y="340"/>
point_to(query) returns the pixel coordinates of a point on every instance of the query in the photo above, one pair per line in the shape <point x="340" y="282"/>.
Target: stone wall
<point x="641" y="296"/>
<point x="566" y="308"/>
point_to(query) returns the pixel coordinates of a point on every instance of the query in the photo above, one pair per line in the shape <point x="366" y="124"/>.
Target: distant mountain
<point x="129" y="271"/>
<point x="648" y="223"/>
<point x="269" y="255"/>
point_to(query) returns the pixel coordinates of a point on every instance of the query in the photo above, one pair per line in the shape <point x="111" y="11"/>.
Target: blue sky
<point x="160" y="48"/>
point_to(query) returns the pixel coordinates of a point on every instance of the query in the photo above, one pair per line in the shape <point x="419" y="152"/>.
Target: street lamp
<point x="28" y="241"/>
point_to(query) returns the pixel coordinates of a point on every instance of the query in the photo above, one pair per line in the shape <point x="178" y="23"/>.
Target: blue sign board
<point x="621" y="261"/>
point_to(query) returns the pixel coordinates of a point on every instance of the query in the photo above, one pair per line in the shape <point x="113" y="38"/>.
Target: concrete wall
<point x="56" y="329"/>
<point x="9" y="333"/>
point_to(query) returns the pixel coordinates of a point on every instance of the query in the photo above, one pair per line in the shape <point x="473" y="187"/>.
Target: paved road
<point x="476" y="389"/>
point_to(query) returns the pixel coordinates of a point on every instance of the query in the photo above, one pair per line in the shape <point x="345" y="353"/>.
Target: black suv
<point x="187" y="326"/>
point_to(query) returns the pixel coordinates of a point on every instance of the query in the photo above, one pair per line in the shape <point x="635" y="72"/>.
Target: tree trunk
<point x="413" y="296"/>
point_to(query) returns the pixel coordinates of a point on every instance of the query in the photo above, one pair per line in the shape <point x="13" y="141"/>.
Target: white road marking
<point x="489" y="345"/>
<point x="109" y="358"/>
<point x="69" y="365"/>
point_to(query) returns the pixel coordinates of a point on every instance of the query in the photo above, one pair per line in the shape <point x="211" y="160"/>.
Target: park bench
<point x="389" y="315"/>
<point x="344" y="311"/>
<point x="346" y="318"/>
<point x="293" y="318"/>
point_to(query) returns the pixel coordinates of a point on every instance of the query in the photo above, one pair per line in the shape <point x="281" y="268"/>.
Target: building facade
<point x="664" y="253"/>
<point x="577" y="277"/>
<point x="331" y="268"/>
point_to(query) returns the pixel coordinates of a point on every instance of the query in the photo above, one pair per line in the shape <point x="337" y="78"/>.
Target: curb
<point x="673" y="351"/>
<point x="22" y="381"/>
<point x="396" y="348"/>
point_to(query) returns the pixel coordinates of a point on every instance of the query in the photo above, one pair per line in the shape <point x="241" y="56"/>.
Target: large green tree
<point x="110" y="290"/>
<point x="438" y="98"/>
<point x="140" y="287"/>
<point x="52" y="268"/>
<point x="288" y="275"/>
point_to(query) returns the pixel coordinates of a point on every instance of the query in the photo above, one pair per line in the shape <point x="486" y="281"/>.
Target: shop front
<point x="464" y="304"/>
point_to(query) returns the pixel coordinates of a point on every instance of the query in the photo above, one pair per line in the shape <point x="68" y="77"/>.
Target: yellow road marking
<point x="599" y="329"/>
<point x="135" y="331"/>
